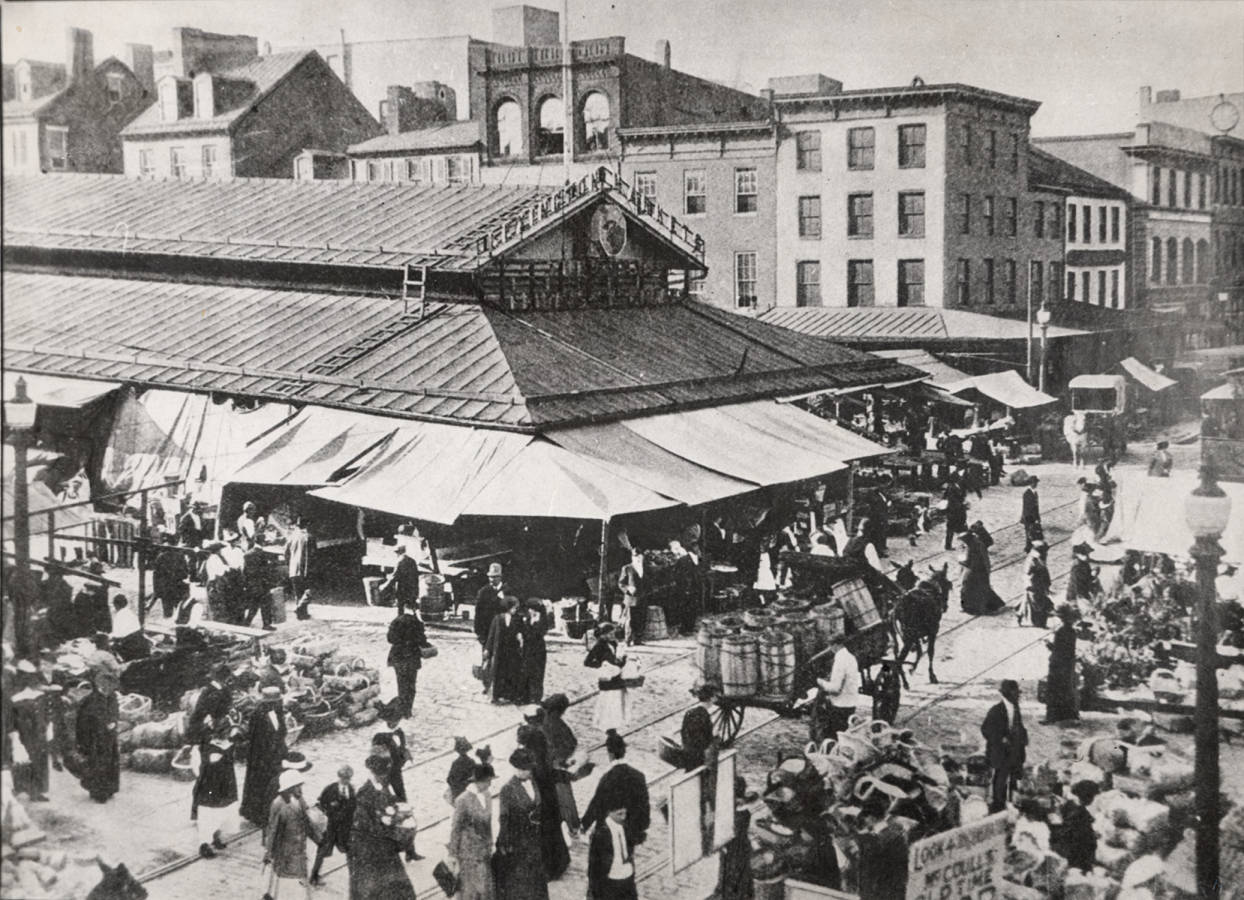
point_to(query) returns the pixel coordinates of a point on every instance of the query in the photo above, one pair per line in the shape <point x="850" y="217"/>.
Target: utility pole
<point x="567" y="99"/>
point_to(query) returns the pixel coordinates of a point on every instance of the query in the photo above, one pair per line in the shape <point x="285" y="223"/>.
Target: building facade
<point x="69" y="118"/>
<point x="720" y="180"/>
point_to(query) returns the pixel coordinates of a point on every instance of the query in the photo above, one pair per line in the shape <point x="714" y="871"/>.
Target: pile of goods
<point x="1122" y="631"/>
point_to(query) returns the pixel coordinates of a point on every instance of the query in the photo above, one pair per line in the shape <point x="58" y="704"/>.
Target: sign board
<point x="723" y="813"/>
<point x="608" y="227"/>
<point x="802" y="890"/>
<point x="686" y="831"/>
<point x="964" y="863"/>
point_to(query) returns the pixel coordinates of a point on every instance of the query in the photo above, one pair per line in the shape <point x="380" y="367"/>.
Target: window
<point x="744" y="190"/>
<point x="209" y="161"/>
<point x="694" y="193"/>
<point x="177" y="162"/>
<point x="1202" y="261"/>
<point x="1114" y="289"/>
<point x="1188" y="176"/>
<point x="963" y="282"/>
<point x="509" y="121"/>
<point x="1056" y="219"/>
<point x="1086" y="283"/>
<point x="596" y="120"/>
<point x="911" y="215"/>
<point x="1071" y="223"/>
<point x="989" y="281"/>
<point x="115" y="87"/>
<point x="1101" y="224"/>
<point x="1056" y="281"/>
<point x="375" y="170"/>
<point x="458" y="169"/>
<point x="1015" y="153"/>
<point x="911" y="146"/>
<point x="860" y="215"/>
<point x="988" y="215"/>
<point x="1187" y="263"/>
<point x="1172" y="261"/>
<point x="1036" y="286"/>
<point x="56" y="138"/>
<point x="1101" y="287"/>
<point x="911" y="282"/>
<point x="415" y="172"/>
<point x="1071" y="285"/>
<point x="965" y="213"/>
<point x="1008" y="281"/>
<point x="860" y="145"/>
<point x="968" y="155"/>
<point x="550" y="136"/>
<point x="1010" y="216"/>
<point x="1088" y="223"/>
<point x="695" y="287"/>
<point x="1157" y="186"/>
<point x="304" y="168"/>
<point x="646" y="184"/>
<point x="1155" y="261"/>
<point x="1172" y="187"/>
<point x="810" y="217"/>
<point x="1116" y="218"/>
<point x="991" y="148"/>
<point x="745" y="279"/>
<point x="1038" y="219"/>
<point x="860" y="282"/>
<point x="146" y="163"/>
<point x="168" y="101"/>
<point x="1203" y="190"/>
<point x="808" y="151"/>
<point x="808" y="283"/>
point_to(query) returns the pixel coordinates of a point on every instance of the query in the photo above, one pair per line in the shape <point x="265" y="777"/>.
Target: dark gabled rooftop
<point x="443" y="136"/>
<point x="1048" y="171"/>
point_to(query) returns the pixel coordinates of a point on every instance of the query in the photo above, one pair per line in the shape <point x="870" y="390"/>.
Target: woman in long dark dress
<point x="263" y="757"/>
<point x="96" y="736"/>
<point x="376" y="843"/>
<point x="563" y="746"/>
<point x="520" y="862"/>
<point x="976" y="594"/>
<point x="1060" y="683"/>
<point x="552" y="841"/>
<point x="535" y="651"/>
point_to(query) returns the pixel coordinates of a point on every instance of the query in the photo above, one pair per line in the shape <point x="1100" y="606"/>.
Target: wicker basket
<point x="577" y="628"/>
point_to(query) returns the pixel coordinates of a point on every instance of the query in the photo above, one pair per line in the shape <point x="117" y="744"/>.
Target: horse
<point x="918" y="612"/>
<point x="1075" y="431"/>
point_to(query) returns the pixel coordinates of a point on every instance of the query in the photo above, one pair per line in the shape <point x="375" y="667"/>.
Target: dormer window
<point x="204" y="100"/>
<point x="115" y="87"/>
<point x="168" y="101"/>
<point x="23" y="87"/>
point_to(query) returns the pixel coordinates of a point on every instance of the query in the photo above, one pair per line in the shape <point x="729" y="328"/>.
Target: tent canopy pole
<point x="602" y="571"/>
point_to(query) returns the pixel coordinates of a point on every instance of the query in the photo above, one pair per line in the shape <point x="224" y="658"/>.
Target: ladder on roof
<point x="414" y="287"/>
<point x="366" y="343"/>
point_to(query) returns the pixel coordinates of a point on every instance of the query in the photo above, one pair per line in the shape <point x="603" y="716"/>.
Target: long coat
<point x="217" y="784"/>
<point x="212" y="701"/>
<point x="375" y="850"/>
<point x="1060" y="683"/>
<point x="1080" y="581"/>
<point x="535" y="657"/>
<point x="1004" y="747"/>
<point x="487" y="607"/>
<point x="470" y="842"/>
<point x="552" y="843"/>
<point x="734" y="875"/>
<point x="976" y="594"/>
<point x="696" y="735"/>
<point x="505" y="659"/>
<point x="263" y="761"/>
<point x="394" y="743"/>
<point x="520" y="867"/>
<point x="285" y="837"/>
<point x="600" y="853"/>
<point x="96" y="733"/>
<point x="169" y="576"/>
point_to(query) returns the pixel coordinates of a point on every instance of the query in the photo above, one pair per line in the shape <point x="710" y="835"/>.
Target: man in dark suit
<point x="697" y="729"/>
<point x="488" y="602"/>
<point x="337" y="802"/>
<point x="1030" y="514"/>
<point x="407" y="638"/>
<point x="190" y="530"/>
<point x="610" y="859"/>
<point x="405" y="580"/>
<point x="211" y="708"/>
<point x="503" y="654"/>
<point x="621" y="787"/>
<point x="1006" y="742"/>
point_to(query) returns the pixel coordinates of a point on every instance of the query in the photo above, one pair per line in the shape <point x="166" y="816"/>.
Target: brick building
<point x="68" y="118"/>
<point x="224" y="111"/>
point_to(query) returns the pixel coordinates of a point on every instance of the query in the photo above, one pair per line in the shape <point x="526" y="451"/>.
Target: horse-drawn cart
<point x="770" y="657"/>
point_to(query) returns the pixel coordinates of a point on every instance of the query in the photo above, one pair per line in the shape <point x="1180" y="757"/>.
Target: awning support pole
<point x="602" y="572"/>
<point x="141" y="559"/>
<point x="851" y="499"/>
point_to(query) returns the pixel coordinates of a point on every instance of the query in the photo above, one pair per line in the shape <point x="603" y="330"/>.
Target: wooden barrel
<point x="858" y="604"/>
<point x="739" y="665"/>
<point x="654" y="626"/>
<point x="432" y="601"/>
<point x="732" y="624"/>
<point x="831" y="622"/>
<point x="802" y="628"/>
<point x="708" y="651"/>
<point x="777" y="662"/>
<point x="785" y="605"/>
<point x="758" y="619"/>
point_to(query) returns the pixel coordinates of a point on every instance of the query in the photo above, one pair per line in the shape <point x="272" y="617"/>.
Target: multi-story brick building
<point x="224" y="111"/>
<point x="68" y="118"/>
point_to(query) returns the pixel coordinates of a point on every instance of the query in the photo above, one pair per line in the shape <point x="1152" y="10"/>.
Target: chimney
<point x="1171" y="96"/>
<point x="81" y="55"/>
<point x="1146" y="99"/>
<point x="404" y="109"/>
<point x="663" y="53"/>
<point x="141" y="60"/>
<point x="526" y="26"/>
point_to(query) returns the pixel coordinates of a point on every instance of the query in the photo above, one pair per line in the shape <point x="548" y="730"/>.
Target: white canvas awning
<point x="1154" y="381"/>
<point x="1006" y="388"/>
<point x="49" y="390"/>
<point x="1150" y="514"/>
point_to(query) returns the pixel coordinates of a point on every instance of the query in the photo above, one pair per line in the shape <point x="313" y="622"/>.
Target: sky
<point x="1085" y="60"/>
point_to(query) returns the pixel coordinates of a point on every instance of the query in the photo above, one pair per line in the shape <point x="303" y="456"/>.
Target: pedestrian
<point x="1030" y="513"/>
<point x="211" y="707"/>
<point x="634" y="611"/>
<point x="248" y="526"/>
<point x="553" y="849"/>
<point x="519" y="862"/>
<point x="734" y="873"/>
<point x="610" y="859"/>
<point x="838" y="693"/>
<point x="215" y="792"/>
<point x="612" y="703"/>
<point x="488" y="602"/>
<point x="503" y="655"/>
<point x="30" y="725"/>
<point x="190" y="530"/>
<point x="337" y="802"/>
<point x="879" y="521"/>
<point x="562" y="749"/>
<point x="222" y="570"/>
<point x="1036" y="604"/>
<point x="860" y="548"/>
<point x="696" y="733"/>
<point x="471" y="838"/>
<point x="57" y="597"/>
<point x="299" y="545"/>
<point x="1080" y="579"/>
<point x="621" y="785"/>
<point x="404" y="580"/>
<point x="1161" y="461"/>
<point x="535" y="651"/>
<point x="256" y="584"/>
<point x="1089" y="524"/>
<point x="407" y="639"/>
<point x="956" y="509"/>
<point x="393" y="741"/>
<point x="96" y="731"/>
<point x="377" y="840"/>
<point x="1074" y="837"/>
<point x="460" y="770"/>
<point x="1006" y="743"/>
<point x="266" y="748"/>
<point x="976" y="593"/>
<point x="1060" y="683"/>
<point x="170" y="576"/>
<point x="883" y="850"/>
<point x="285" y="837"/>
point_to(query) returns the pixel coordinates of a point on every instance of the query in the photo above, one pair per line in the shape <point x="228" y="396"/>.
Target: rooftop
<point x="920" y="92"/>
<point x="1047" y="170"/>
<point x="890" y="324"/>
<point x="443" y="136"/>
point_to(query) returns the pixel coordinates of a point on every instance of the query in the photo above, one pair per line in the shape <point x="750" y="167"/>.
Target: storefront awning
<point x="1226" y="391"/>
<point x="1097" y="382"/>
<point x="1006" y="388"/>
<point x="48" y="390"/>
<point x="315" y="445"/>
<point x="827" y="438"/>
<point x="1145" y="505"/>
<point x="1154" y="381"/>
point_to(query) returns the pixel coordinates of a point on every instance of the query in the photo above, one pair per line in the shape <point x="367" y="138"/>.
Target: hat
<point x="1083" y="548"/>
<point x="462" y="745"/>
<point x="390" y="711"/>
<point x="271" y="692"/>
<point x="1067" y="611"/>
<point x="379" y="764"/>
<point x="523" y="759"/>
<point x="1008" y="688"/>
<point x="26" y="695"/>
<point x="27" y="666"/>
<point x="533" y="603"/>
<point x="556" y="703"/>
<point x="229" y="534"/>
<point x="295" y="762"/>
<point x="1033" y="479"/>
<point x="289" y="779"/>
<point x="702" y="691"/>
<point x="482" y="771"/>
<point x="533" y="713"/>
<point x="494" y="570"/>
<point x="1039" y="544"/>
<point x="603" y="629"/>
<point x="1162" y="445"/>
<point x="248" y="505"/>
<point x="509" y="603"/>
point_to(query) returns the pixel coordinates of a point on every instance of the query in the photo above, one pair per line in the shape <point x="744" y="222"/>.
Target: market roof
<point x="442" y="136"/>
<point x="926" y="362"/>
<point x="454" y="362"/>
<point x="891" y="324"/>
<point x="1045" y="170"/>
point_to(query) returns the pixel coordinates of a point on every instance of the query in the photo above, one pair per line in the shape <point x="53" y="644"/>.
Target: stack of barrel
<point x="765" y="651"/>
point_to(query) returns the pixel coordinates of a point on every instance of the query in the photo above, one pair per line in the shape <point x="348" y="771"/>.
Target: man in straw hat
<point x="488" y="602"/>
<point x="285" y="837"/>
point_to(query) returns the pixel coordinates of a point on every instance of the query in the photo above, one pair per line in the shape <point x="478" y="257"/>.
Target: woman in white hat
<point x="285" y="838"/>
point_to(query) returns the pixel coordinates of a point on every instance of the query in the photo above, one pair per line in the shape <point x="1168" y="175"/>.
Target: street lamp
<point x="19" y="419"/>
<point x="1206" y="511"/>
<point x="1043" y="319"/>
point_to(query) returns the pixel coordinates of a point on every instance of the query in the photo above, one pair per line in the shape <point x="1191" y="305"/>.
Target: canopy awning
<point x="1097" y="382"/>
<point x="939" y="372"/>
<point x="829" y="438"/>
<point x="40" y="499"/>
<point x="48" y="390"/>
<point x="1006" y="388"/>
<point x="1226" y="391"/>
<point x="1147" y="377"/>
<point x="315" y="445"/>
<point x="1152" y="520"/>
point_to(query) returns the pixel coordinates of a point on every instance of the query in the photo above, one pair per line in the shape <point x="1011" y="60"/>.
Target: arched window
<point x="1187" y="274"/>
<point x="552" y="125"/>
<point x="1155" y="264"/>
<point x="1202" y="261"/>
<point x="509" y="129"/>
<point x="1172" y="261"/>
<point x="596" y="121"/>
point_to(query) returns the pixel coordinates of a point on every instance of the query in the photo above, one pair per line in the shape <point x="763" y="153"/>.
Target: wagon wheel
<point x="727" y="720"/>
<point x="887" y="691"/>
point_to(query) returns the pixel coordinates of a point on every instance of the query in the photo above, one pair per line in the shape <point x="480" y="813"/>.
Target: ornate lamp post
<point x="1206" y="511"/>
<point x="1043" y="319"/>
<point x="19" y="420"/>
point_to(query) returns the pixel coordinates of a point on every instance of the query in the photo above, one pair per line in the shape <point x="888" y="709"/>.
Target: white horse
<point x="1075" y="431"/>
